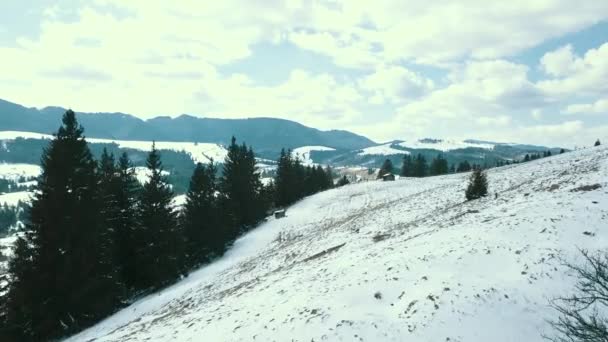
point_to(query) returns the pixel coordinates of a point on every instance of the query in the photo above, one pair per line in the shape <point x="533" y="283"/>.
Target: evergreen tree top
<point x="70" y="129"/>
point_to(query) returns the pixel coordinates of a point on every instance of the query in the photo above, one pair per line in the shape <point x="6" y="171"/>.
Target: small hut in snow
<point x="388" y="177"/>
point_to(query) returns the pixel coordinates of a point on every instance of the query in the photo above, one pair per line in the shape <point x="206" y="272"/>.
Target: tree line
<point x="96" y="238"/>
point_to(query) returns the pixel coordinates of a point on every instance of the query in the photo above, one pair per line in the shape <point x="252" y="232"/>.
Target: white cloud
<point x="166" y="57"/>
<point x="561" y="62"/>
<point x="395" y="84"/>
<point x="578" y="75"/>
<point x="599" y="106"/>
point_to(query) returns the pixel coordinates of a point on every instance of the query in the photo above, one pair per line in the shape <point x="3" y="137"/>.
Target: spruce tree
<point x="407" y="168"/>
<point x="597" y="143"/>
<point x="200" y="219"/>
<point x="126" y="191"/>
<point x="420" y="166"/>
<point x="439" y="166"/>
<point x="158" y="238"/>
<point x="241" y="191"/>
<point x="478" y="185"/>
<point x="63" y="279"/>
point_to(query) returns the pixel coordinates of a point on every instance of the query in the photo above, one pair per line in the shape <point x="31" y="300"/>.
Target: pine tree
<point x="597" y="143"/>
<point x="126" y="191"/>
<point x="439" y="166"/>
<point x="562" y="151"/>
<point x="420" y="166"/>
<point x="241" y="191"/>
<point x="200" y="219"/>
<point x="110" y="212"/>
<point x="284" y="180"/>
<point x="478" y="185"/>
<point x="527" y="158"/>
<point x="158" y="239"/>
<point x="62" y="259"/>
<point x="407" y="168"/>
<point x="329" y="173"/>
<point x="387" y="167"/>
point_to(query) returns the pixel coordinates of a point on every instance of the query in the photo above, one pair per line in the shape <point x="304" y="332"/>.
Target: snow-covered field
<point x="199" y="152"/>
<point x="13" y="198"/>
<point x="15" y="171"/>
<point x="303" y="153"/>
<point x="408" y="260"/>
<point x="444" y="145"/>
<point x="384" y="150"/>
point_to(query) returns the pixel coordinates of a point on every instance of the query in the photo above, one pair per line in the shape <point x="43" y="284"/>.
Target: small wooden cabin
<point x="388" y="177"/>
<point x="279" y="214"/>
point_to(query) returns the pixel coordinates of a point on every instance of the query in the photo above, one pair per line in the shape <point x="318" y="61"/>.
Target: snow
<point x="303" y="153"/>
<point x="143" y="174"/>
<point x="179" y="201"/>
<point x="15" y="171"/>
<point x="13" y="198"/>
<point x="384" y="150"/>
<point x="408" y="260"/>
<point x="199" y="152"/>
<point x="12" y="135"/>
<point x="444" y="145"/>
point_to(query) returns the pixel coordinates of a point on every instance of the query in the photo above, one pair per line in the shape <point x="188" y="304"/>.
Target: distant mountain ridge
<point x="262" y="133"/>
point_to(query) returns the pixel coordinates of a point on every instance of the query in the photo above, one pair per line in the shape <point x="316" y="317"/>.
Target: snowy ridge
<point x="15" y="171"/>
<point x="393" y="261"/>
<point x="303" y="153"/>
<point x="444" y="145"/>
<point x="13" y="198"/>
<point x="383" y="150"/>
<point x="199" y="152"/>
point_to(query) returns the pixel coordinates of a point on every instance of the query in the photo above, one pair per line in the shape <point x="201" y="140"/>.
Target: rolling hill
<point x="408" y="260"/>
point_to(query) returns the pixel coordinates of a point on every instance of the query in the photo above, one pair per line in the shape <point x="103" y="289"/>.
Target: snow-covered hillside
<point x="444" y="145"/>
<point x="14" y="171"/>
<point x="303" y="153"/>
<point x="384" y="150"/>
<point x="408" y="260"/>
<point x="200" y="152"/>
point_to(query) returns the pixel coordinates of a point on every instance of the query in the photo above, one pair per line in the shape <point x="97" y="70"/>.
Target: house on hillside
<point x="388" y="177"/>
<point x="279" y="214"/>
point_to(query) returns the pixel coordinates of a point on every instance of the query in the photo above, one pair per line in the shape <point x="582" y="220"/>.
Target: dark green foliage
<point x="597" y="143"/>
<point x="387" y="167"/>
<point x="8" y="218"/>
<point x="478" y="185"/>
<point x="241" y="199"/>
<point x="294" y="181"/>
<point x="343" y="181"/>
<point x="200" y="218"/>
<point x="420" y="166"/>
<point x="407" y="168"/>
<point x="562" y="151"/>
<point x="464" y="166"/>
<point x="439" y="166"/>
<point x="158" y="240"/>
<point x="126" y="192"/>
<point x="66" y="281"/>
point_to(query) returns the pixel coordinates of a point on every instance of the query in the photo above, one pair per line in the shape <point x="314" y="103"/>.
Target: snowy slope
<point x="14" y="171"/>
<point x="13" y="198"/>
<point x="303" y="153"/>
<point x="200" y="152"/>
<point x="384" y="150"/>
<point x="444" y="145"/>
<point x="408" y="260"/>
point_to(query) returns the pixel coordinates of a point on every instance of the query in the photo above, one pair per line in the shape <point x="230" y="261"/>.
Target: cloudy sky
<point x="521" y="70"/>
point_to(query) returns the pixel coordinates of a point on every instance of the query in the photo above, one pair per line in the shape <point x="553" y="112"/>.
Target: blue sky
<point x="531" y="71"/>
